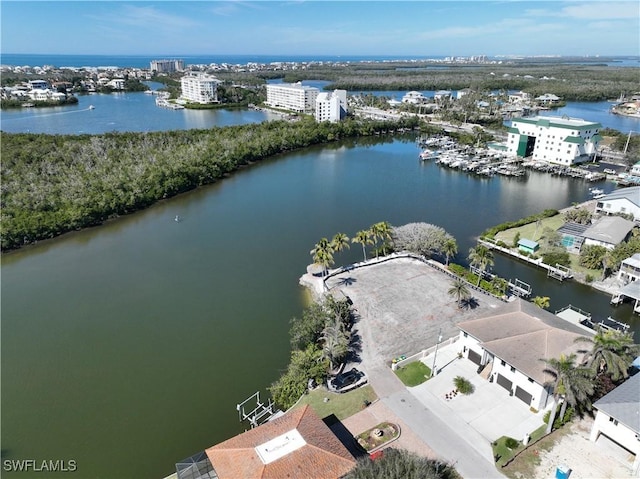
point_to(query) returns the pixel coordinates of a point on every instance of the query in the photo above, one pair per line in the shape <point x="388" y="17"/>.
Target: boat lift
<point x="261" y="412"/>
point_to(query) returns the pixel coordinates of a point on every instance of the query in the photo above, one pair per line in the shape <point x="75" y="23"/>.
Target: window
<point x="530" y="380"/>
<point x="502" y="363"/>
<point x="465" y="335"/>
<point x="513" y="370"/>
<point x="614" y="421"/>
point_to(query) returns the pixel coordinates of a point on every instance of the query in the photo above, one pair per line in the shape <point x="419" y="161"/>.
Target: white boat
<point x="596" y="192"/>
<point x="91" y="107"/>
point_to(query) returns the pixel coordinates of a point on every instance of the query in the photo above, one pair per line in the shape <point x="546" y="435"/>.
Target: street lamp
<point x="435" y="354"/>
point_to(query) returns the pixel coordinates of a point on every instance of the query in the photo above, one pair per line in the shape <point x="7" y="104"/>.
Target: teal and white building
<point x="557" y="140"/>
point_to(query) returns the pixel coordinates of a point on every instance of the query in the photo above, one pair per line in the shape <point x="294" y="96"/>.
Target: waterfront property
<point x="199" y="88"/>
<point x="528" y="246"/>
<point x="292" y="96"/>
<point x="608" y="231"/>
<point x="298" y="444"/>
<point x="624" y="200"/>
<point x="630" y="269"/>
<point x="618" y="419"/>
<point x="509" y="347"/>
<point x="561" y="141"/>
<point x="331" y="106"/>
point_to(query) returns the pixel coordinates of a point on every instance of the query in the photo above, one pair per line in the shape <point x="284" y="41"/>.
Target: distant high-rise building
<point x="292" y="96"/>
<point x="199" y="88"/>
<point x="167" y="66"/>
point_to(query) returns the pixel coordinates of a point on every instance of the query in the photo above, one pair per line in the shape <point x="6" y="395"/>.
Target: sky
<point x="377" y="28"/>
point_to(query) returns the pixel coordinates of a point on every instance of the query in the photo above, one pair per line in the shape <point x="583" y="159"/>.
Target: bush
<point x="463" y="385"/>
<point x="589" y="278"/>
<point x="554" y="257"/>
<point x="511" y="443"/>
<point x="516" y="238"/>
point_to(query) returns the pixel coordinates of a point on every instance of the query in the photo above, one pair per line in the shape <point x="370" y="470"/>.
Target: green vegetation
<point x="414" y="373"/>
<point x="386" y="432"/>
<point x="522" y="462"/>
<point x="401" y="464"/>
<point x="497" y="286"/>
<point x="494" y="230"/>
<point x="319" y="339"/>
<point x="463" y="385"/>
<point x="459" y="291"/>
<point x="53" y="183"/>
<point x="341" y="405"/>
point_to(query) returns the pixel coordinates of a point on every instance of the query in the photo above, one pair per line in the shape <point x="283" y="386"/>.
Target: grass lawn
<point x="414" y="373"/>
<point x="342" y="405"/>
<point x="501" y="450"/>
<point x="529" y="231"/>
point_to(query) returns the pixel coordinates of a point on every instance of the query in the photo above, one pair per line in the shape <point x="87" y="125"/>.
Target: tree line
<point x="52" y="184"/>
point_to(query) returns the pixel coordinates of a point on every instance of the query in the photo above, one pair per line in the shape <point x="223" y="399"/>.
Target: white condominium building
<point x="292" y="96"/>
<point x="331" y="106"/>
<point x="562" y="141"/>
<point x="199" y="88"/>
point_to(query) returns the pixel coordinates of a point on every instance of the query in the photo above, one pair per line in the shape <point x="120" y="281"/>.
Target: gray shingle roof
<point x="623" y="403"/>
<point x="609" y="229"/>
<point x="522" y="334"/>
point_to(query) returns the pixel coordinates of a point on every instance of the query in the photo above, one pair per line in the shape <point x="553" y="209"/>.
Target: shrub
<point x="511" y="443"/>
<point x="589" y="278"/>
<point x="516" y="238"/>
<point x="463" y="385"/>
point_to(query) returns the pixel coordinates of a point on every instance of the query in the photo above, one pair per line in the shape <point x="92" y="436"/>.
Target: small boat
<point x="91" y="107"/>
<point x="177" y="219"/>
<point x="596" y="192"/>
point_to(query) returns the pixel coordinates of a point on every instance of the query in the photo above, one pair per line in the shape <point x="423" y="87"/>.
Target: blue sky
<point x="420" y="28"/>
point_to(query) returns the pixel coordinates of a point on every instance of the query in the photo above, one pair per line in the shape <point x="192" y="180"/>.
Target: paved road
<point x="448" y="436"/>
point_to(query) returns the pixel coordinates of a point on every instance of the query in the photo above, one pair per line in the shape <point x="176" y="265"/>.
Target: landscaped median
<point x="414" y="373"/>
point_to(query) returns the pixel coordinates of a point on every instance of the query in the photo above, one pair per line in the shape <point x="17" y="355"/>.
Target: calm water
<point x="121" y="112"/>
<point x="126" y="347"/>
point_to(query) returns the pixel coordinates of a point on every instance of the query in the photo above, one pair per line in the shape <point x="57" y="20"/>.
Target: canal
<point x="126" y="347"/>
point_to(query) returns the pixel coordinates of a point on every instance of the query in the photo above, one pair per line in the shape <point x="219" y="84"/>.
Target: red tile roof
<point x="323" y="456"/>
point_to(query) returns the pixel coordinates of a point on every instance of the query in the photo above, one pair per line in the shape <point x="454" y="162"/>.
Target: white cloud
<point x="603" y="10"/>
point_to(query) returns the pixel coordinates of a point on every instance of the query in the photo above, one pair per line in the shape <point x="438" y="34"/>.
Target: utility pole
<point x="435" y="354"/>
<point x="627" y="144"/>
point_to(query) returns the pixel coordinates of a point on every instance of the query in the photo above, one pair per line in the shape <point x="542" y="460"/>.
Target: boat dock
<point x="583" y="319"/>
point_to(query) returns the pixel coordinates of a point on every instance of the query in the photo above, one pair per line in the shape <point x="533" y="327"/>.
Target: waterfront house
<point x="296" y="445"/>
<point x="510" y="346"/>
<point x="562" y="141"/>
<point x="292" y="96"/>
<point x="414" y="97"/>
<point x="548" y="99"/>
<point x="618" y="420"/>
<point x="608" y="231"/>
<point x="331" y="106"/>
<point x="624" y="200"/>
<point x="528" y="246"/>
<point x="629" y="269"/>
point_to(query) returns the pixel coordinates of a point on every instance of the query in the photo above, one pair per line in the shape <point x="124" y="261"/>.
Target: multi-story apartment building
<point x="167" y="66"/>
<point x="563" y="141"/>
<point x="292" y="96"/>
<point x="331" y="106"/>
<point x="199" y="88"/>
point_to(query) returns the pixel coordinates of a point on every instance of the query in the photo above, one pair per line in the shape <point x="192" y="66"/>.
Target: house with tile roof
<point x="510" y="346"/>
<point x="296" y="445"/>
<point x="618" y="418"/>
<point x="623" y="200"/>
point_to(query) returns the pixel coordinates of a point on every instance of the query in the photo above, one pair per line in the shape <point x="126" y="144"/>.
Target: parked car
<point x="346" y="379"/>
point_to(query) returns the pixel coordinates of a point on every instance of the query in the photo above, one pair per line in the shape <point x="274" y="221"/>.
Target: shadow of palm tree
<point x="347" y="281"/>
<point x="471" y="303"/>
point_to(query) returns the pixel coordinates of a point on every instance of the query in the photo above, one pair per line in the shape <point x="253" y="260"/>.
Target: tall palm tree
<point x="480" y="257"/>
<point x="573" y="383"/>
<point x="364" y="238"/>
<point x="339" y="242"/>
<point x="335" y="343"/>
<point x="382" y="231"/>
<point x="541" y="301"/>
<point x="611" y="353"/>
<point x="459" y="291"/>
<point x="449" y="249"/>
<point x="323" y="254"/>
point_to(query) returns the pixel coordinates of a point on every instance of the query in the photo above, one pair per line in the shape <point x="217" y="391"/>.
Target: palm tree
<point x="382" y="230"/>
<point x="323" y="254"/>
<point x="572" y="382"/>
<point x="364" y="238"/>
<point x="449" y="249"/>
<point x="480" y="257"/>
<point x="339" y="242"/>
<point x="459" y="291"/>
<point x="335" y="340"/>
<point x="500" y="284"/>
<point x="541" y="301"/>
<point x="611" y="353"/>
